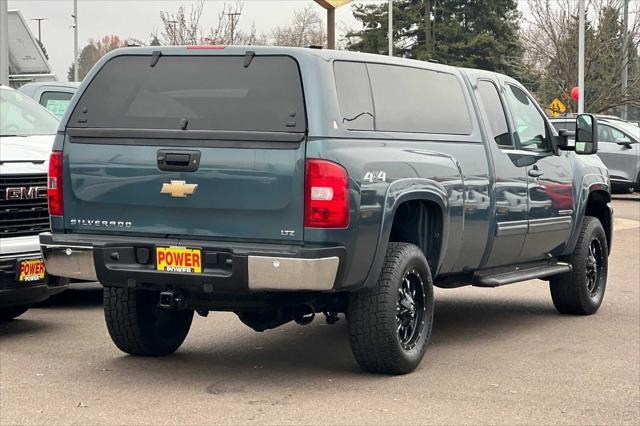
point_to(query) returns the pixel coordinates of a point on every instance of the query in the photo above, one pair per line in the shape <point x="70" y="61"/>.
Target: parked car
<point x="54" y="96"/>
<point x="278" y="183"/>
<point x="619" y="149"/>
<point x="26" y="136"/>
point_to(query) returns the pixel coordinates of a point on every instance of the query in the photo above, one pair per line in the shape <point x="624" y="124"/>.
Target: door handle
<point x="178" y="160"/>
<point x="535" y="173"/>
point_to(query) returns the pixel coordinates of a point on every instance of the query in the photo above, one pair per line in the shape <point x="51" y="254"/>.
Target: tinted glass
<point x="56" y="102"/>
<point x="418" y="100"/>
<point x="22" y="116"/>
<point x="609" y="134"/>
<point x="495" y="112"/>
<point x="530" y="125"/>
<point x="354" y="95"/>
<point x="209" y="92"/>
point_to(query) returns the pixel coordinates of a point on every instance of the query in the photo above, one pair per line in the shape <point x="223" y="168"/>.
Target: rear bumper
<point x="69" y="260"/>
<point x="227" y="268"/>
<point x="16" y="293"/>
<point x="13" y="293"/>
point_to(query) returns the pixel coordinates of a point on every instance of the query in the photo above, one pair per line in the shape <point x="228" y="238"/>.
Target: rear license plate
<point x="31" y="270"/>
<point x="179" y="259"/>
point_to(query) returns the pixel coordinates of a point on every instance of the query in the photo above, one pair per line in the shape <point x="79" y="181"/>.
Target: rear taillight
<point x="54" y="184"/>
<point x="326" y="195"/>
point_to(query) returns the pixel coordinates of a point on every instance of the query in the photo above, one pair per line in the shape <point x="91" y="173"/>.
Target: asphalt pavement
<point x="499" y="356"/>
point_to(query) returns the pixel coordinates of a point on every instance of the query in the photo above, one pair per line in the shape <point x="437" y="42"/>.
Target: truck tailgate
<point x="240" y="193"/>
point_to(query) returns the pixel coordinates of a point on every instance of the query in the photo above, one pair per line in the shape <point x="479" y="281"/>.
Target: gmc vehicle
<point x="27" y="131"/>
<point x="278" y="183"/>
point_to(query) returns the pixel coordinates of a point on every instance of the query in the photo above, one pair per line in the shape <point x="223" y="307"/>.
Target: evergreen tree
<point x="44" y="50"/>
<point x="479" y="34"/>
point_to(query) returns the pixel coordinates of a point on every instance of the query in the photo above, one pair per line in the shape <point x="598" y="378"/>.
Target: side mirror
<point x="626" y="142"/>
<point x="586" y="134"/>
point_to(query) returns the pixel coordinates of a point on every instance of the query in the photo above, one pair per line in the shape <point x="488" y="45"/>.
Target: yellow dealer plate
<point x="179" y="259"/>
<point x="31" y="270"/>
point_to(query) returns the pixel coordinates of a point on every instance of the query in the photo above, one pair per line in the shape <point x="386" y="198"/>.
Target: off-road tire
<point x="13" y="312"/>
<point x="139" y="327"/>
<point x="372" y="315"/>
<point x="570" y="292"/>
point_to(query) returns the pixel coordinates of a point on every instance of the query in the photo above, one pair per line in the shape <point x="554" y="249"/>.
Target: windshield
<point x="21" y="116"/>
<point x="630" y="128"/>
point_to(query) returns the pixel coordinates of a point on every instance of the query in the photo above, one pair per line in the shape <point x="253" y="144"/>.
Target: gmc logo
<point x="26" y="193"/>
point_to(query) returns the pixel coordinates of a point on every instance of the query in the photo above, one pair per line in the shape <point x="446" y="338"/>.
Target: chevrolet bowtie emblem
<point x="178" y="188"/>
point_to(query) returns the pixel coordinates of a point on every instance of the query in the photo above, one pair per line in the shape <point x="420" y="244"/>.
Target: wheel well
<point x="419" y="222"/>
<point x="597" y="207"/>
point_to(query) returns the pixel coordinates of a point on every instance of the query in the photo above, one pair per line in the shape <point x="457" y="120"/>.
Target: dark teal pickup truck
<point x="278" y="183"/>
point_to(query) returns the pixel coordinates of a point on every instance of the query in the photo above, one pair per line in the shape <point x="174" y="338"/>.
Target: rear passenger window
<point x="354" y="95"/>
<point x="495" y="112"/>
<point x="418" y="101"/>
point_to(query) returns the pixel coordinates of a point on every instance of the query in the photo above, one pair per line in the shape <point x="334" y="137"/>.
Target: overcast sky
<point x="140" y="18"/>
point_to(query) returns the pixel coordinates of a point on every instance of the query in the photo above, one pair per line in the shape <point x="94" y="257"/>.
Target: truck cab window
<point x="531" y="128"/>
<point x="495" y="113"/>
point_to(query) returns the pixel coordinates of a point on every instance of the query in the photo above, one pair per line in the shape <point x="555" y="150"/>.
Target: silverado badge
<point x="178" y="188"/>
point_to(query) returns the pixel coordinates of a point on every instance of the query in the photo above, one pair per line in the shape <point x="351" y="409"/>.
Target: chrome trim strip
<point x="533" y="226"/>
<point x="292" y="274"/>
<point x="20" y="255"/>
<point x="70" y="261"/>
<point x="549" y="224"/>
<point x="515" y="227"/>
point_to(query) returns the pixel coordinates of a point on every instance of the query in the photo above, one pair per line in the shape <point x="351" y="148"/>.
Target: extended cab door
<point x="510" y="190"/>
<point x="549" y="178"/>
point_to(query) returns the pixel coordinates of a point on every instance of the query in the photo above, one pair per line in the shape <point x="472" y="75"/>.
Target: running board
<point x="504" y="278"/>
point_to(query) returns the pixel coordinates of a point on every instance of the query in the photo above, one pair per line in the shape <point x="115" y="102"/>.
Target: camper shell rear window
<point x="203" y="92"/>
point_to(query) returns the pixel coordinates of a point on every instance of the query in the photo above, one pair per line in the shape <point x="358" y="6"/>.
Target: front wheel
<point x="390" y="324"/>
<point x="138" y="326"/>
<point x="581" y="291"/>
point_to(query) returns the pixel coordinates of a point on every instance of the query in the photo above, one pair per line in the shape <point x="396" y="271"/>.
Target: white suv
<point x="27" y="131"/>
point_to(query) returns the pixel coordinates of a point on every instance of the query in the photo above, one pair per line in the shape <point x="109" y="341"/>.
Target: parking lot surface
<point x="497" y="356"/>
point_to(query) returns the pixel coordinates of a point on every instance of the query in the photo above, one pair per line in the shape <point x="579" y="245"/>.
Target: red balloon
<point x="575" y="93"/>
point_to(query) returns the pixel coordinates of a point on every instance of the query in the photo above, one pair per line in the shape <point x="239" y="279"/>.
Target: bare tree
<point x="228" y="31"/>
<point x="186" y="26"/>
<point x="306" y="28"/>
<point x="550" y="40"/>
<point x="182" y="27"/>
